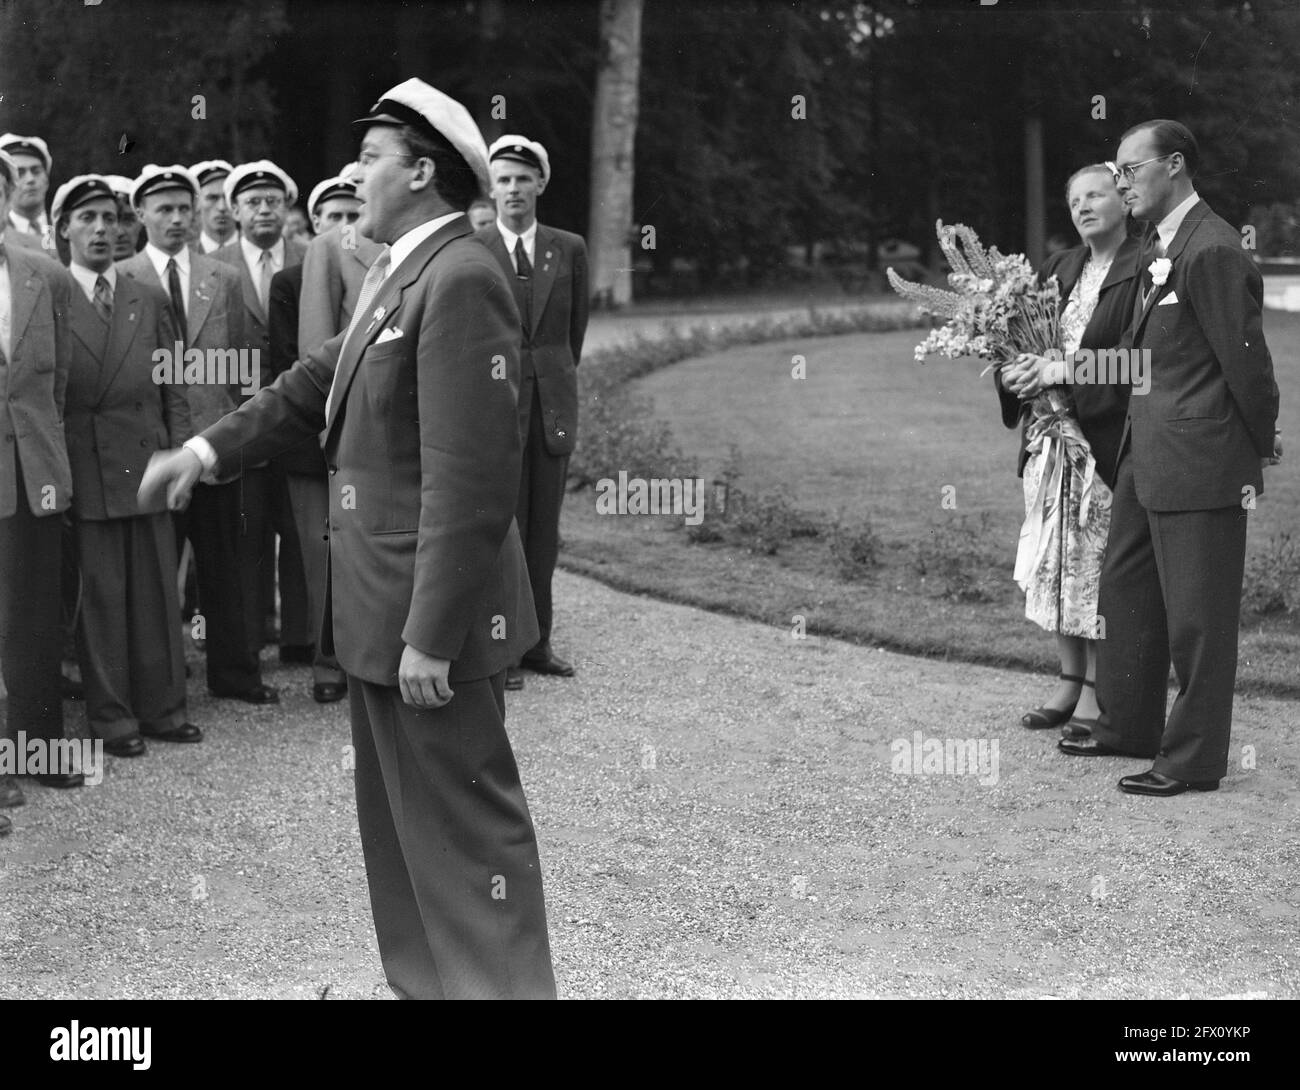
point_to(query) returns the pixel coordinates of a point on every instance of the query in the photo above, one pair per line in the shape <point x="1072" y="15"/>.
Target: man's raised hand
<point x="177" y="471"/>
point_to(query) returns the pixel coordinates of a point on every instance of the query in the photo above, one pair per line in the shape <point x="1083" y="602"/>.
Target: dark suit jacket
<point x="33" y="386"/>
<point x="116" y="415"/>
<point x="552" y="347"/>
<point x="1099" y="408"/>
<point x="215" y="321"/>
<point x="423" y="451"/>
<point x="283" y="323"/>
<point x="1198" y="436"/>
<point x="256" y="327"/>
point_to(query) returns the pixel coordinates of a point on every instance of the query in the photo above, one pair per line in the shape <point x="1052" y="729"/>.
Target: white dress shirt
<point x="400" y="251"/>
<point x="253" y="257"/>
<point x="159" y="258"/>
<point x="87" y="278"/>
<point x="530" y="242"/>
<point x="37" y="226"/>
<point x="208" y="244"/>
<point x="1168" y="227"/>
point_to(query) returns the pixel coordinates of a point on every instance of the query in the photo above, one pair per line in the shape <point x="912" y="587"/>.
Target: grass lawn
<point x="919" y="453"/>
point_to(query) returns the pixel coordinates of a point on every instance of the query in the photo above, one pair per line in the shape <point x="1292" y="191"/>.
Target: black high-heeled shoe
<point x="1043" y="718"/>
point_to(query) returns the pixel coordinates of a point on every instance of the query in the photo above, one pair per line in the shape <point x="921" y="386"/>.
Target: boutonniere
<point x="376" y="318"/>
<point x="1159" y="270"/>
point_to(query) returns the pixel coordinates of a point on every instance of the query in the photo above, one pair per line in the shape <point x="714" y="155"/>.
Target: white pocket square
<point x="389" y="334"/>
<point x="1172" y="297"/>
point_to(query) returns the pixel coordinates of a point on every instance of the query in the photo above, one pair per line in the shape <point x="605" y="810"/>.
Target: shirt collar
<point x="159" y="258"/>
<point x="87" y="277"/>
<point x="1168" y="227"/>
<point x="253" y="253"/>
<point x="24" y="224"/>
<point x="207" y="243"/>
<point x="404" y="246"/>
<point x="508" y="236"/>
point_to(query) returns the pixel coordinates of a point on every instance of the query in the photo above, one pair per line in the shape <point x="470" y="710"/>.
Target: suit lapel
<point x="24" y="290"/>
<point x="546" y="263"/>
<point x="89" y="328"/>
<point x="203" y="289"/>
<point x="122" y="331"/>
<point x="1195" y="215"/>
<point x="385" y="304"/>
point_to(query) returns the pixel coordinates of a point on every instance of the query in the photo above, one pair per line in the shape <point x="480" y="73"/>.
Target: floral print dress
<point x="1067" y="506"/>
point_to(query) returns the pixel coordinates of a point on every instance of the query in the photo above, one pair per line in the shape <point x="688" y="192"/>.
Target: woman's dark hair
<point x="1170" y="137"/>
<point x="453" y="180"/>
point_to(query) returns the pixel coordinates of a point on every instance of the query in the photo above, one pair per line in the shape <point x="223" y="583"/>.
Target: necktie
<point x="524" y="273"/>
<point x="103" y="299"/>
<point x="178" y="300"/>
<point x="369" y="289"/>
<point x="264" y="282"/>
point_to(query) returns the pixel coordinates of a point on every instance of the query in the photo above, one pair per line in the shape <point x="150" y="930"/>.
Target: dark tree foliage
<point x="768" y="128"/>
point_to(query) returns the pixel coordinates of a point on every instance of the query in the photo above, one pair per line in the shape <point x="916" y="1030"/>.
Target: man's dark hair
<point x="454" y="181"/>
<point x="1170" y="137"/>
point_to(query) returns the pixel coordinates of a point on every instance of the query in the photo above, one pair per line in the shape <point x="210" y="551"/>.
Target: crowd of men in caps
<point x="213" y="257"/>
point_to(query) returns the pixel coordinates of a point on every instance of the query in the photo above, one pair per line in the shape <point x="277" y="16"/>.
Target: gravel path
<point x="718" y="817"/>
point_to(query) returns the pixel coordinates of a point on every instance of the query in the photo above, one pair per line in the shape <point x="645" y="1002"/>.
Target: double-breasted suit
<point x="275" y="510"/>
<point x="226" y="557"/>
<point x="35" y="487"/>
<point x="422" y="446"/>
<point x="554" y="307"/>
<point x="117" y="416"/>
<point x="1189" y="471"/>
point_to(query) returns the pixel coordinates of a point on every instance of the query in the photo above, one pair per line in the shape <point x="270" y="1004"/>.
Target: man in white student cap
<point x="31" y="157"/>
<point x="129" y="228"/>
<point x="261" y="194"/>
<point x="428" y="600"/>
<point x="547" y="268"/>
<point x="216" y="220"/>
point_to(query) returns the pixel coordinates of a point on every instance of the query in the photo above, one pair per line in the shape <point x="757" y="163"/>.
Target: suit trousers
<point x="537" y="510"/>
<point x="128" y="632"/>
<point x="1170" y="592"/>
<point x="309" y="497"/>
<point x="294" y="612"/>
<point x="31" y="622"/>
<point x="451" y="855"/>
<point x="225" y="524"/>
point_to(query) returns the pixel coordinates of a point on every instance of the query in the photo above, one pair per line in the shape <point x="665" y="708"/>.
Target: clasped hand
<point x="1030" y="374"/>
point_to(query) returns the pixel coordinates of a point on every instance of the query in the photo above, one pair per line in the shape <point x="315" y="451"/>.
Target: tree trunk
<point x="613" y="140"/>
<point x="1035" y="206"/>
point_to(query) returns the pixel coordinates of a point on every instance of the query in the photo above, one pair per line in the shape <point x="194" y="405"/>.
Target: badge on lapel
<point x="375" y="319"/>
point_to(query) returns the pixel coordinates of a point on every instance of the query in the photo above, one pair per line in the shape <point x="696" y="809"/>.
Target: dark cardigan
<point x="1100" y="409"/>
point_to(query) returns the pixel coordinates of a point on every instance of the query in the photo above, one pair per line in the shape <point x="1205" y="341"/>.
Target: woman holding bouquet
<point x="1071" y="431"/>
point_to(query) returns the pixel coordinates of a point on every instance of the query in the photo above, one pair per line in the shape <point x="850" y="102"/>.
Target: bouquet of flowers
<point x="997" y="308"/>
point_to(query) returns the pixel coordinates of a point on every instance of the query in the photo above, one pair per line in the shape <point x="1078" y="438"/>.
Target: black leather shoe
<point x="546" y="661"/>
<point x="297" y="654"/>
<point x="326" y="692"/>
<point x="1156" y="783"/>
<point x="1088" y="747"/>
<point x="185" y="732"/>
<point x="5" y="825"/>
<point x="10" y="793"/>
<point x="261" y="694"/>
<point x="60" y="779"/>
<point x="132" y="745"/>
<point x="514" y="678"/>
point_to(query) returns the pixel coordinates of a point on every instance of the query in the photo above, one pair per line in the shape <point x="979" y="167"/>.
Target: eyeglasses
<point x="1129" y="172"/>
<point x="271" y="202"/>
<point x="368" y="158"/>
